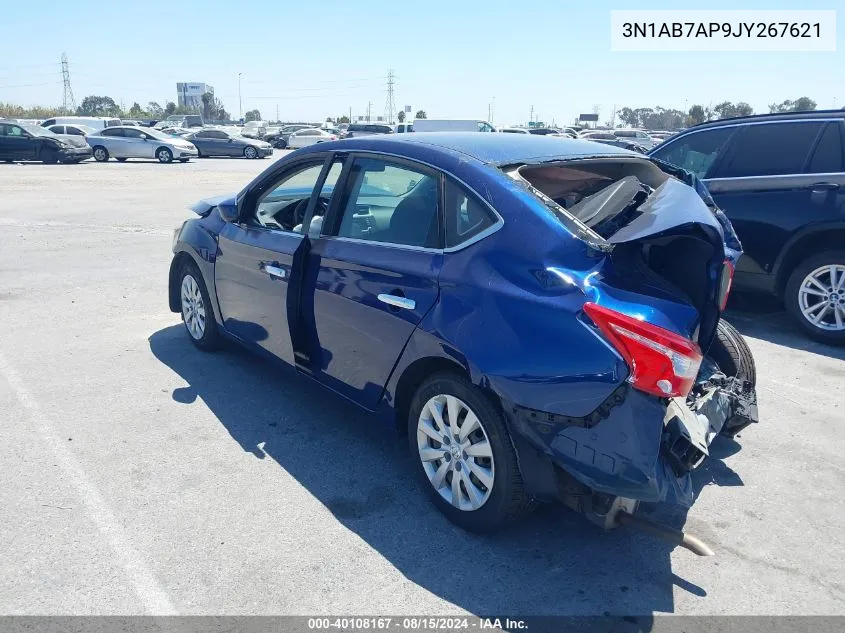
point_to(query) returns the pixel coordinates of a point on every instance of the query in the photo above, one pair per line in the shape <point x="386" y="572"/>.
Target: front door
<point x="373" y="275"/>
<point x="16" y="143"/>
<point x="256" y="258"/>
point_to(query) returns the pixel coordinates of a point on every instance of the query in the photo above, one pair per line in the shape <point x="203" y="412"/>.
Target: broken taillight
<point x="662" y="363"/>
<point x="725" y="281"/>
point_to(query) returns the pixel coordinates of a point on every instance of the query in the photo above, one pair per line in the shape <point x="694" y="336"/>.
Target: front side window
<point x="130" y="133"/>
<point x="770" y="149"/>
<point x="695" y="152"/>
<point x="391" y="204"/>
<point x="465" y="215"/>
<point x="282" y="208"/>
<point x="14" y="130"/>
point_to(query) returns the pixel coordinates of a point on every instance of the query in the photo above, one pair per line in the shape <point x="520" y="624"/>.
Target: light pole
<point x="240" y="103"/>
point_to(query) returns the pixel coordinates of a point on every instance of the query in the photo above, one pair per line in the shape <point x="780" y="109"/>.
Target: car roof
<point x="489" y="148"/>
<point x="784" y="116"/>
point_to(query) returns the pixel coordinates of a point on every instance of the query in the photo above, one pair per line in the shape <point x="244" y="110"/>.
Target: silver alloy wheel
<point x="821" y="297"/>
<point x="100" y="154"/>
<point x="164" y="156"/>
<point x="193" y="308"/>
<point x="455" y="452"/>
<point x="250" y="152"/>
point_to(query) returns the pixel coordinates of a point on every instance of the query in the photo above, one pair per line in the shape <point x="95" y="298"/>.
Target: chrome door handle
<point x="397" y="302"/>
<point x="275" y="271"/>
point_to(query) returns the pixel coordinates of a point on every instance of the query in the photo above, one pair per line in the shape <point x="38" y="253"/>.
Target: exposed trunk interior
<point x="620" y="199"/>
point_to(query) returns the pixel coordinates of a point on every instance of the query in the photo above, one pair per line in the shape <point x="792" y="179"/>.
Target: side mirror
<point x="229" y="212"/>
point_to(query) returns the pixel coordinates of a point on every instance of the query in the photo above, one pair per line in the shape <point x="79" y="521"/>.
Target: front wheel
<point x="164" y="155"/>
<point x="250" y="152"/>
<point x="815" y="296"/>
<point x="197" y="312"/>
<point x="459" y="442"/>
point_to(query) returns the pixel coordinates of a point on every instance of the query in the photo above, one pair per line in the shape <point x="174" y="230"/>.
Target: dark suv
<point x="780" y="178"/>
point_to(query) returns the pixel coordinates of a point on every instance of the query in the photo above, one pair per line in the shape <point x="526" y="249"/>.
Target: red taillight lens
<point x="725" y="282"/>
<point x="334" y="138"/>
<point x="662" y="363"/>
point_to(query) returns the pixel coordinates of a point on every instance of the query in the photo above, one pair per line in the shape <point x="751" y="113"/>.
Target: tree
<point x="207" y="105"/>
<point x="98" y="106"/>
<point x="343" y="119"/>
<point x="135" y="111"/>
<point x="252" y="115"/>
<point x="420" y="115"/>
<point x="728" y="110"/>
<point x="169" y="108"/>
<point x="401" y="116"/>
<point x="155" y="110"/>
<point x="696" y="115"/>
<point x="802" y="104"/>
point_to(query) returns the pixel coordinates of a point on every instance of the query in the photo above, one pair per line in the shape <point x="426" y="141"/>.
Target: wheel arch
<point x="411" y="378"/>
<point x="803" y="245"/>
<point x="161" y="147"/>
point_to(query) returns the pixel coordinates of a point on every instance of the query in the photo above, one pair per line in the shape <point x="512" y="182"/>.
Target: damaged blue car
<point x="542" y="316"/>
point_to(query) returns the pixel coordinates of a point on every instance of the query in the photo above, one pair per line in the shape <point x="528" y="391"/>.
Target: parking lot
<point x="147" y="477"/>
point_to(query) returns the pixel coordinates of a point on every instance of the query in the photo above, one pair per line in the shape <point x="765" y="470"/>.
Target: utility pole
<point x="277" y="113"/>
<point x="68" y="102"/>
<point x="531" y="120"/>
<point x="390" y="105"/>
<point x="613" y="117"/>
<point x="369" y="105"/>
<point x="490" y="110"/>
<point x="240" y="102"/>
<point x="350" y="114"/>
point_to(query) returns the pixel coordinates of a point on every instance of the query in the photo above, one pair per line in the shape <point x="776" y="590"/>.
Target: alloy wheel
<point x="455" y="452"/>
<point x="250" y="152"/>
<point x="821" y="297"/>
<point x="193" y="308"/>
<point x="100" y="154"/>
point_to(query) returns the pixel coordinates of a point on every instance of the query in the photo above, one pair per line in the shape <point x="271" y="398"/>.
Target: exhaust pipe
<point x="687" y="541"/>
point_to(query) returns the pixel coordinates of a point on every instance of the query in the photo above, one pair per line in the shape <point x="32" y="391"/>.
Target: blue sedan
<point x="540" y="315"/>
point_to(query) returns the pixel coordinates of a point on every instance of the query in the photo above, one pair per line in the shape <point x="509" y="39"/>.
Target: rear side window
<point x="112" y="132"/>
<point x="112" y="122"/>
<point x="695" y="152"/>
<point x="465" y="215"/>
<point x="770" y="149"/>
<point x="827" y="157"/>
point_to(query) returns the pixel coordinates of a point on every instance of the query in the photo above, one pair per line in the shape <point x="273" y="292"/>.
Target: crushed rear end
<point x="664" y="258"/>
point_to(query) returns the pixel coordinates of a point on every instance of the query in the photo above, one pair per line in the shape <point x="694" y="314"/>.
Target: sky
<point x="453" y="59"/>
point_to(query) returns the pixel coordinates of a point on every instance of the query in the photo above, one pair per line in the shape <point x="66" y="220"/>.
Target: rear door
<point x="372" y="274"/>
<point x="256" y="256"/>
<point x="113" y="142"/>
<point x="762" y="184"/>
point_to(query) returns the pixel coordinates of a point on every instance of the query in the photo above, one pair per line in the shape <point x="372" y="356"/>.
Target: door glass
<point x="770" y="149"/>
<point x="14" y="130"/>
<point x="326" y="193"/>
<point x="695" y="152"/>
<point x="827" y="158"/>
<point x="391" y="204"/>
<point x="282" y="208"/>
<point x="129" y="133"/>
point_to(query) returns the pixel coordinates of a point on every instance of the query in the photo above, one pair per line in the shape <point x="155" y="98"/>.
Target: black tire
<point x="121" y="160"/>
<point x="49" y="161"/>
<point x="732" y="354"/>
<point x="164" y="155"/>
<point x="508" y="499"/>
<point x="101" y="154"/>
<point x="183" y="160"/>
<point x="250" y="152"/>
<point x="792" y="297"/>
<point x="210" y="339"/>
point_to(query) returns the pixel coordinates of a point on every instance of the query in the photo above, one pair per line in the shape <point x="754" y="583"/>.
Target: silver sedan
<point x="124" y="141"/>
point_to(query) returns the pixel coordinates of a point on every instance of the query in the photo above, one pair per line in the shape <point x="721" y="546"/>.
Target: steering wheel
<point x="320" y="208"/>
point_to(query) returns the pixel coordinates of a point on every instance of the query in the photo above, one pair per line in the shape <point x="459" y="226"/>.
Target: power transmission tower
<point x="68" y="102"/>
<point x="390" y="105"/>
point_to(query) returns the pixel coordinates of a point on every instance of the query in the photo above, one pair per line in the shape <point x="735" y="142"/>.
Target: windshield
<point x="157" y="134"/>
<point x="37" y="130"/>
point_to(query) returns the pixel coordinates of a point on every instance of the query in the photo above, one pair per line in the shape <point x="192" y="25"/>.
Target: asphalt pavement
<point x="142" y="476"/>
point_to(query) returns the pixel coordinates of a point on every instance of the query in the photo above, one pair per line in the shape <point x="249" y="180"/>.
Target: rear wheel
<point x="815" y="296"/>
<point x="732" y="354"/>
<point x="101" y="154"/>
<point x="460" y="444"/>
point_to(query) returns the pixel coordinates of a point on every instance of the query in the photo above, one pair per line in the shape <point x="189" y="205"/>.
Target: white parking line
<point x="148" y="588"/>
